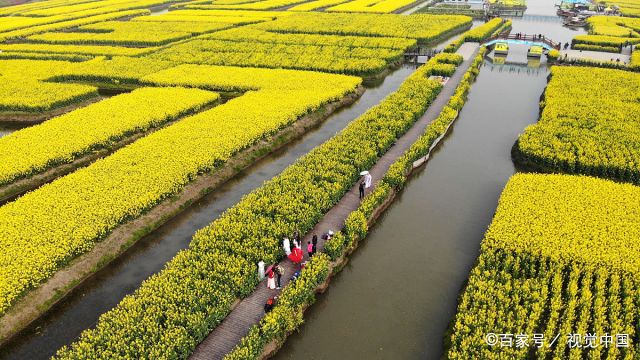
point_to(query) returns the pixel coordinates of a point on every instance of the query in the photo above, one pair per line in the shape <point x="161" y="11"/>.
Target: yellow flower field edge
<point x="422" y="27"/>
<point x="452" y="10"/>
<point x="118" y="70"/>
<point x="560" y="258"/>
<point x="635" y="61"/>
<point x="89" y="50"/>
<point x="42" y="56"/>
<point x="163" y="318"/>
<point x="611" y="49"/>
<point x="23" y="88"/>
<point x="588" y="125"/>
<point x="247" y="33"/>
<point x="36" y="96"/>
<point x="63" y="139"/>
<point x="371" y="6"/>
<point x="361" y="61"/>
<point x="605" y="64"/>
<point x="479" y="34"/>
<point x="602" y="42"/>
<point x="397" y="175"/>
<point x="287" y="315"/>
<point x="129" y="33"/>
<point x="31" y="30"/>
<point x="315" y="4"/>
<point x="614" y="26"/>
<point x="43" y="230"/>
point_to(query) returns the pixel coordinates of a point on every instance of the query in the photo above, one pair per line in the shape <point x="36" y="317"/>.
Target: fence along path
<point x="250" y="310"/>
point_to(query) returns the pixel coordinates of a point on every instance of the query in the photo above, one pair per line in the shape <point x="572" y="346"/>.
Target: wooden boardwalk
<point x="250" y="310"/>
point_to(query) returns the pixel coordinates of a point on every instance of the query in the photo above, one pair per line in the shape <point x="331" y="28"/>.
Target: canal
<point x="398" y="294"/>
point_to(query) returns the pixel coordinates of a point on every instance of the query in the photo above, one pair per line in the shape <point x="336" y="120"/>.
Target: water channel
<point x="397" y="295"/>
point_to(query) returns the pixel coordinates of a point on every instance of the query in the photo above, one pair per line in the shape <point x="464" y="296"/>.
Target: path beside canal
<point x="250" y="310"/>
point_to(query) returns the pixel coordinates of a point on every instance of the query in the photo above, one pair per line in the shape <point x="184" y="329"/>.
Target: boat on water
<point x="576" y="21"/>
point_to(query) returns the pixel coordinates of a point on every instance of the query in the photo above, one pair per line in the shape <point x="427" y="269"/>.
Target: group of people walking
<point x="293" y="249"/>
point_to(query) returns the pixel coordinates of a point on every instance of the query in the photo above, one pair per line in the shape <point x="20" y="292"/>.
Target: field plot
<point x="424" y="28"/>
<point x="22" y="88"/>
<point x="131" y="33"/>
<point x="356" y="6"/>
<point x="560" y="258"/>
<point x="316" y="4"/>
<point x="609" y="33"/>
<point x="589" y="125"/>
<point x="371" y="6"/>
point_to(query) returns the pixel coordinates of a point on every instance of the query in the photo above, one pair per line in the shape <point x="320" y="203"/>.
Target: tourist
<point x="296" y="255"/>
<point x="314" y="242"/>
<point x="271" y="279"/>
<point x="268" y="306"/>
<point x="279" y="270"/>
<point x="261" y="270"/>
<point x="367" y="180"/>
<point x="296" y="236"/>
<point x="361" y="189"/>
<point x="286" y="245"/>
<point x="311" y="245"/>
<point x="296" y="243"/>
<point x="295" y="276"/>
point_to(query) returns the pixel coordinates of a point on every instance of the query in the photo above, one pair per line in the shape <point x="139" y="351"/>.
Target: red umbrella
<point x="296" y="255"/>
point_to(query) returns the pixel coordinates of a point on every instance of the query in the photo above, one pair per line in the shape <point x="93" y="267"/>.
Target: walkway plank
<point x="250" y="310"/>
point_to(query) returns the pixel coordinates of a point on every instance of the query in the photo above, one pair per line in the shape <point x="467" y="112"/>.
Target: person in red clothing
<point x="271" y="280"/>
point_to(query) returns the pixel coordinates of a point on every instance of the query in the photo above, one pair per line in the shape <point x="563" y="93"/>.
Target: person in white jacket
<point x="367" y="180"/>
